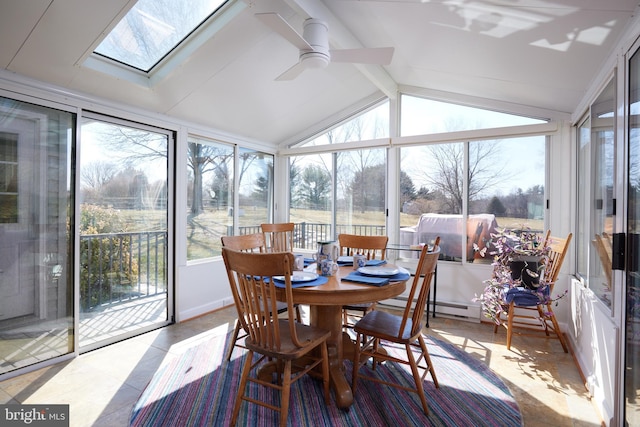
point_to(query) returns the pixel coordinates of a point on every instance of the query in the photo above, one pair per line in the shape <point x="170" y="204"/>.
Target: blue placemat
<point x="308" y="261"/>
<point x="368" y="280"/>
<point x="321" y="280"/>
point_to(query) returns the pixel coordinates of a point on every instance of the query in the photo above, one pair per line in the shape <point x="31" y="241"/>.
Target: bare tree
<point x="204" y="158"/>
<point x="96" y="174"/>
<point x="360" y="163"/>
<point x="447" y="174"/>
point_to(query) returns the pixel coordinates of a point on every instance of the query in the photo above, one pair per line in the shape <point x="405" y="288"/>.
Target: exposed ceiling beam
<point x="342" y="38"/>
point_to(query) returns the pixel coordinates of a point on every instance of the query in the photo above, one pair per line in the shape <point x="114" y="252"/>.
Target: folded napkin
<point x="399" y="276"/>
<point x="369" y="280"/>
<point x="321" y="280"/>
<point x="375" y="262"/>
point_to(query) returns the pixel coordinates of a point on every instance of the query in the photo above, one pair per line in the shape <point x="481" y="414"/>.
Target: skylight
<point x="154" y="28"/>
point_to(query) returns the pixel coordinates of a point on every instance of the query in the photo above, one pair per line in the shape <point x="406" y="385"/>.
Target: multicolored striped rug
<point x="199" y="389"/>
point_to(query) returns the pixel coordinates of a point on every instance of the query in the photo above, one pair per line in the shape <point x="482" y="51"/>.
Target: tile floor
<point x="103" y="385"/>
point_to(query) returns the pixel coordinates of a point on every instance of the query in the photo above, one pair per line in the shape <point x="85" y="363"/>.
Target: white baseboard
<point x="466" y="312"/>
<point x="203" y="309"/>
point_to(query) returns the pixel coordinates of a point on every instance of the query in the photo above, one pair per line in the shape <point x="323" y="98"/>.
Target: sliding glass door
<point x="36" y="205"/>
<point x="632" y="313"/>
<point x="125" y="249"/>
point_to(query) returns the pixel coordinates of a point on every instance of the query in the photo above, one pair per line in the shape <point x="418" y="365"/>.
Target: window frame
<point x="547" y="129"/>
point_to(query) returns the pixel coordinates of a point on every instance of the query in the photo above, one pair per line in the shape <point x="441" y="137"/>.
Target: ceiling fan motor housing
<point x="316" y="33"/>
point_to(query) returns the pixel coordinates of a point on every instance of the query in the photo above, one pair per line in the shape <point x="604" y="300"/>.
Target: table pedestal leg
<point x="330" y="318"/>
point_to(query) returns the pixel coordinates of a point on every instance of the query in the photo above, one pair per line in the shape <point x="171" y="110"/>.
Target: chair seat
<point x="386" y="326"/>
<point x="524" y="297"/>
<point x="281" y="306"/>
<point x="517" y="301"/>
<point x="406" y="330"/>
<point x="310" y="335"/>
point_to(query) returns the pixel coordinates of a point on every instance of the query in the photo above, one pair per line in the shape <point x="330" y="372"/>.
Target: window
<point x="209" y="196"/>
<point x="154" y="28"/>
<point x="462" y="191"/>
<point x="341" y="192"/>
<point x="255" y="190"/>
<point x="357" y="191"/>
<point x="371" y="124"/>
<point x="506" y="179"/>
<point x="311" y="196"/>
<point x="596" y="167"/>
<point x="8" y="177"/>
<point x="125" y="225"/>
<point x="360" y="192"/>
<point x="423" y="116"/>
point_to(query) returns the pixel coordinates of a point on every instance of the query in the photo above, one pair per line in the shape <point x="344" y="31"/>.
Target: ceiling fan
<point x="314" y="46"/>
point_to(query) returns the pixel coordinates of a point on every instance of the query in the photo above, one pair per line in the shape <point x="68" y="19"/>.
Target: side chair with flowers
<point x="525" y="268"/>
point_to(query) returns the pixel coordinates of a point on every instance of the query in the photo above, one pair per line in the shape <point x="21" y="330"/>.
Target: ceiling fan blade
<point x="375" y="55"/>
<point x="292" y="72"/>
<point x="282" y="27"/>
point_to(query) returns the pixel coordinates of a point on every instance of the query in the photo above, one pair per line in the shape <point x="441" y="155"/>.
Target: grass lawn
<point x="205" y="230"/>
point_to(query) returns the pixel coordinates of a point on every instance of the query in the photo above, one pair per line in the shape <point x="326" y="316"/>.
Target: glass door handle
<point x="618" y="251"/>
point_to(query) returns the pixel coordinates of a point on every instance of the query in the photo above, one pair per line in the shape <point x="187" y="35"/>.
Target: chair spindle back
<point x="245" y="243"/>
<point x="559" y="248"/>
<point x="424" y="274"/>
<point x="279" y="237"/>
<point x="251" y="276"/>
<point x="373" y="247"/>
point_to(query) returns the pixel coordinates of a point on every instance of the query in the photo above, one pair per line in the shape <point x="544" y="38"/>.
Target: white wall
<point x="595" y="340"/>
<point x="200" y="288"/>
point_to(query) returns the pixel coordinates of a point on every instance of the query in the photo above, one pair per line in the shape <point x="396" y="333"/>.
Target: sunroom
<point x="118" y="178"/>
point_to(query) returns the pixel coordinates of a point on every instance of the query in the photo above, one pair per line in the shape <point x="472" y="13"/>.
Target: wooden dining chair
<point x="406" y="330"/>
<point x="373" y="247"/>
<point x="278" y="237"/>
<point x="290" y="343"/>
<point x="520" y="321"/>
<point x="249" y="243"/>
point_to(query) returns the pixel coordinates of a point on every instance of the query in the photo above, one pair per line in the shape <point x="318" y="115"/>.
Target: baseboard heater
<point x="469" y="313"/>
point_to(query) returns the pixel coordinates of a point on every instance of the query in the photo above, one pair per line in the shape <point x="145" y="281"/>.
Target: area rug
<point x="199" y="389"/>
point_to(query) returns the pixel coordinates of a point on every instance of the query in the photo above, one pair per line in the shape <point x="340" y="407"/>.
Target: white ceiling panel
<point x="62" y="36"/>
<point x="541" y="52"/>
<point x="17" y="20"/>
<point x="537" y="53"/>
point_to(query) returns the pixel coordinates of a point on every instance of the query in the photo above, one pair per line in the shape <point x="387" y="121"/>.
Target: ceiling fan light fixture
<point x="314" y="59"/>
<point x="313" y="46"/>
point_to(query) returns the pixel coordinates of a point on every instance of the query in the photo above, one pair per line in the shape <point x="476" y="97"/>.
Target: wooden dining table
<point x="325" y="302"/>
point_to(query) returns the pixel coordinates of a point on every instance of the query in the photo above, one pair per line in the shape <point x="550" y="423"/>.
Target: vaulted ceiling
<point x="539" y="53"/>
